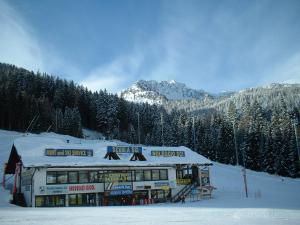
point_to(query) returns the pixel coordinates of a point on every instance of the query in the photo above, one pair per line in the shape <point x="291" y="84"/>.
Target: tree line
<point x="261" y="138"/>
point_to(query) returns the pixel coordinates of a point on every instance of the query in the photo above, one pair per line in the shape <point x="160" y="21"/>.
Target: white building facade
<point x="52" y="172"/>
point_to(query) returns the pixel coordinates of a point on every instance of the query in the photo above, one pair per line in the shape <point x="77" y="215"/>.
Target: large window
<point x="160" y="195"/>
<point x="83" y="177"/>
<point x="62" y="177"/>
<point x="73" y="177"/>
<point x="147" y="175"/>
<point x="163" y="174"/>
<point x="50" y="201"/>
<point x="139" y="176"/>
<point x="51" y="177"/>
<point x="82" y="199"/>
<point x="92" y="176"/>
<point x="155" y="174"/>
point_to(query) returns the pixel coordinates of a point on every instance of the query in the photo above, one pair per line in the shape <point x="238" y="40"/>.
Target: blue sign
<point x="124" y="149"/>
<point x="121" y="187"/>
<point x="121" y="192"/>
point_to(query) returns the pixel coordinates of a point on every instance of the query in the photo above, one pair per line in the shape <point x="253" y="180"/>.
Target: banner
<point x="69" y="152"/>
<point x="168" y="153"/>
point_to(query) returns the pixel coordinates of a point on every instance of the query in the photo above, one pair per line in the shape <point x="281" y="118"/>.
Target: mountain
<point x="175" y="95"/>
<point x="154" y="92"/>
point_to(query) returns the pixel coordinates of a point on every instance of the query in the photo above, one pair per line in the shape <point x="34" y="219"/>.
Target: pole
<point x="162" y="129"/>
<point x="56" y="120"/>
<point x="245" y="175"/>
<point x="296" y="135"/>
<point x="139" y="137"/>
<point x="194" y="133"/>
<point x="235" y="144"/>
<point x="245" y="181"/>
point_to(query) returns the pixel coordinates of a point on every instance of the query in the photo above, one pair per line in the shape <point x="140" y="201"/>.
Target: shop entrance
<point x="118" y="200"/>
<point x="139" y="197"/>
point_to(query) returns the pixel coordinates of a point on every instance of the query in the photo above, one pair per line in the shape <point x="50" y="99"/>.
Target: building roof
<point x="31" y="150"/>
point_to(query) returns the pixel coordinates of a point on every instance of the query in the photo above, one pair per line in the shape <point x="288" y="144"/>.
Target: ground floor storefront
<point x="103" y="199"/>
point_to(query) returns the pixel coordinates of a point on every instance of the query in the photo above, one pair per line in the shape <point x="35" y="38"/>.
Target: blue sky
<point x="211" y="45"/>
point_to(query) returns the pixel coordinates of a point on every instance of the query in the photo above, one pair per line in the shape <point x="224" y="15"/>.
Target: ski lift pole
<point x="245" y="181"/>
<point x="245" y="175"/>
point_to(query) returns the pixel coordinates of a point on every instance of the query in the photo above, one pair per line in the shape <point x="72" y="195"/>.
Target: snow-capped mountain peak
<point x="155" y="92"/>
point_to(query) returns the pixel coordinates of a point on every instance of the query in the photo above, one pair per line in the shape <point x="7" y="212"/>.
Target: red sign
<point x="88" y="187"/>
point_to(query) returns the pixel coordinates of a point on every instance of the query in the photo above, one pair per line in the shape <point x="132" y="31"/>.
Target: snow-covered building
<point x="55" y="172"/>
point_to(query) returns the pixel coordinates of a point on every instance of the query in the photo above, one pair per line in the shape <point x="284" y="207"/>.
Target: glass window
<point x="73" y="177"/>
<point x="59" y="200"/>
<point x="147" y="174"/>
<point x="163" y="174"/>
<point x="93" y="176"/>
<point x="139" y="175"/>
<point x="155" y="174"/>
<point x="83" y="177"/>
<point x="51" y="177"/>
<point x="39" y="201"/>
<point x="62" y="177"/>
<point x="79" y="199"/>
<point x="129" y="176"/>
<point x="101" y="176"/>
<point x="50" y="200"/>
<point x="160" y="194"/>
<point x="72" y="200"/>
<point x="91" y="199"/>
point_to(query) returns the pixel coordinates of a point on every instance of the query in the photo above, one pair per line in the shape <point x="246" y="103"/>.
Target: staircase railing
<point x="183" y="192"/>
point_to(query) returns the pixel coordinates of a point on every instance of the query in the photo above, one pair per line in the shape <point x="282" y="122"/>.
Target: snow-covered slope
<point x="155" y="92"/>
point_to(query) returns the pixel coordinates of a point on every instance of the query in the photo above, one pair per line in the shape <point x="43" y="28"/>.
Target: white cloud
<point x="287" y="71"/>
<point x="115" y="75"/>
<point x="17" y="43"/>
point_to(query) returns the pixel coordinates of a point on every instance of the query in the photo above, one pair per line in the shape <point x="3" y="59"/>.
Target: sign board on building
<point x="65" y="189"/>
<point x="117" y="177"/>
<point x="167" y="153"/>
<point x="69" y="152"/>
<point x="124" y="149"/>
<point x="121" y="192"/>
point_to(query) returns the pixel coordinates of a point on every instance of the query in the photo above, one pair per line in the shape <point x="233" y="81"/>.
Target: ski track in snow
<point x="277" y="204"/>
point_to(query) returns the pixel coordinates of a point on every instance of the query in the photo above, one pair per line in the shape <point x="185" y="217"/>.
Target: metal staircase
<point x="183" y="192"/>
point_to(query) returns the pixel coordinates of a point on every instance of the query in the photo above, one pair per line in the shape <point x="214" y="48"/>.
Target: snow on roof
<point x="32" y="149"/>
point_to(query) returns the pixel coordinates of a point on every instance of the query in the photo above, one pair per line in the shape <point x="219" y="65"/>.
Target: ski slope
<point x="272" y="200"/>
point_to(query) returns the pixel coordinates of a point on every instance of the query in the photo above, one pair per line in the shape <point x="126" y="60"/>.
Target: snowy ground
<point x="272" y="200"/>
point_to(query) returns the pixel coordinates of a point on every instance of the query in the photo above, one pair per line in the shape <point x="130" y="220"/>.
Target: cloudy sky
<point x="211" y="45"/>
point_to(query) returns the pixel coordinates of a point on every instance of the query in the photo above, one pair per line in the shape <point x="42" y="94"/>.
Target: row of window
<point x="84" y="176"/>
<point x="89" y="199"/>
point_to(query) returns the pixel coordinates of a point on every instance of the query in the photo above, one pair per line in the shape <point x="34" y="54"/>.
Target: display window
<point x="50" y="201"/>
<point x="82" y="199"/>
